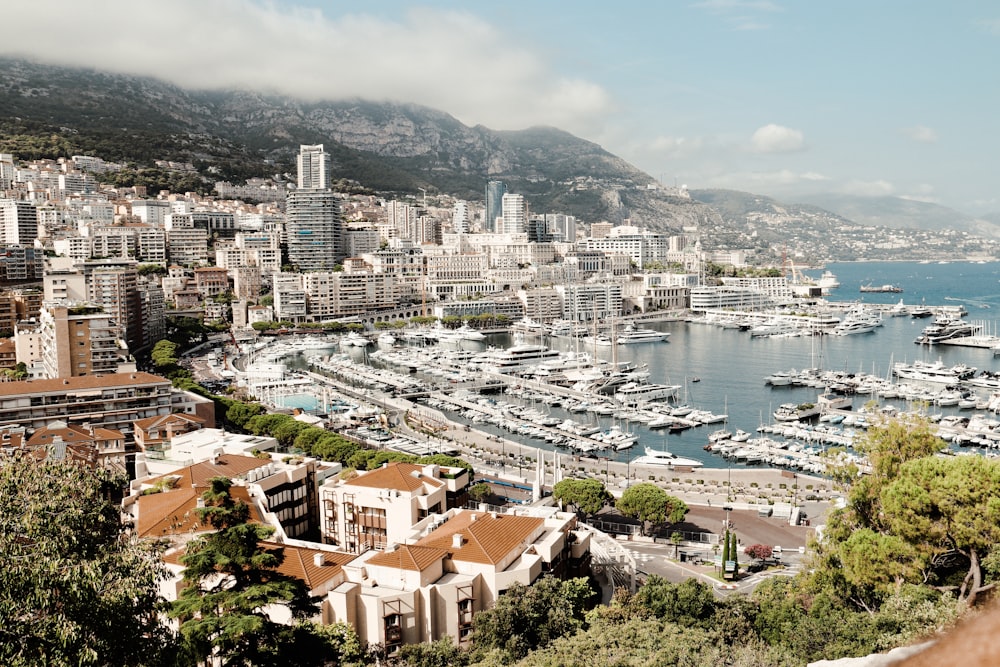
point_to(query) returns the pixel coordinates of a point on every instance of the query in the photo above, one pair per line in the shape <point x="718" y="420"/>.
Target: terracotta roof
<point x="299" y="563"/>
<point x="161" y="420"/>
<point x="174" y="512"/>
<point x="485" y="538"/>
<point x="225" y="465"/>
<point x="83" y="382"/>
<point x="397" y="476"/>
<point x="407" y="557"/>
<point x="73" y="433"/>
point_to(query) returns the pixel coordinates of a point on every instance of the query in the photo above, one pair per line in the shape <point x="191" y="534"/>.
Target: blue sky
<point x="775" y="97"/>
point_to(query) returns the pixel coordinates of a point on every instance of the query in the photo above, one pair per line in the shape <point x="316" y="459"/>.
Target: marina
<point x="787" y="399"/>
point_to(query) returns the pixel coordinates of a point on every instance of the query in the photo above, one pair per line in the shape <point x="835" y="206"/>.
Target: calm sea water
<point x="730" y="366"/>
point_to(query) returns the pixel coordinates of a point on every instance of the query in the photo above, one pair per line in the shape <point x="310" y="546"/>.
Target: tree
<point x="527" y="617"/>
<point x="481" y="492"/>
<point x="587" y="495"/>
<point x="230" y="582"/>
<point x="689" y="603"/>
<point x="948" y="507"/>
<point x="76" y="587"/>
<point x="759" y="551"/>
<point x="442" y="653"/>
<point x="651" y="505"/>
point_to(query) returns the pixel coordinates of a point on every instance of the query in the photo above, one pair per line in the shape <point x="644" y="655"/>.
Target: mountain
<point x="385" y="146"/>
<point x="404" y="149"/>
<point x="899" y="213"/>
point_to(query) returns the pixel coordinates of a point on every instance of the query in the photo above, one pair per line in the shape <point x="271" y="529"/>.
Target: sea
<point x="724" y="370"/>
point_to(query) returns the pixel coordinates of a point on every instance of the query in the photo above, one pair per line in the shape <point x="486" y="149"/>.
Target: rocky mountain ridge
<point x="390" y="147"/>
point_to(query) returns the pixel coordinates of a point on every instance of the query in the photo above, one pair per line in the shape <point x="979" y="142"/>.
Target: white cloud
<point x="777" y="139"/>
<point x="878" y="188"/>
<point x="921" y="133"/>
<point x="990" y="25"/>
<point x="448" y="60"/>
<point x="738" y="5"/>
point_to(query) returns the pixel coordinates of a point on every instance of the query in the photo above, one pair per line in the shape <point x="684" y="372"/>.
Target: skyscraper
<point x="515" y="214"/>
<point x="495" y="190"/>
<point x="313" y="224"/>
<point x="18" y="222"/>
<point x="314" y="168"/>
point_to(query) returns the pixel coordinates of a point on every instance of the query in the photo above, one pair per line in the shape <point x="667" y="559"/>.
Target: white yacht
<point x="386" y="339"/>
<point x="659" y="457"/>
<point x="631" y="335"/>
<point x="946" y="327"/>
<point x="632" y="393"/>
<point x="354" y="339"/>
<point x="516" y="358"/>
<point x="858" y="320"/>
<point x="465" y="332"/>
<point x="828" y="281"/>
<point x="933" y="372"/>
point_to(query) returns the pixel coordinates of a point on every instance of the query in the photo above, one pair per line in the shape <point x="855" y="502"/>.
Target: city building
<point x="495" y="190"/>
<point x="113" y="401"/>
<point x="18" y="222"/>
<point x="79" y="340"/>
<point x="315" y="230"/>
<point x="104" y="447"/>
<point x="380" y="506"/>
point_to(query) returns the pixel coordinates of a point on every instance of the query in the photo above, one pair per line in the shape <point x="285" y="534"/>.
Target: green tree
<point x="481" y="492"/>
<point x="239" y="413"/>
<point x="948" y="507"/>
<point x="76" y="587"/>
<point x="651" y="505"/>
<point x="230" y="581"/>
<point x="587" y="495"/>
<point x="527" y="617"/>
<point x="689" y="603"/>
<point x="441" y="653"/>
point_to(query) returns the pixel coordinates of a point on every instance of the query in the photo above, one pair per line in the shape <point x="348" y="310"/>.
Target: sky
<point x="777" y="97"/>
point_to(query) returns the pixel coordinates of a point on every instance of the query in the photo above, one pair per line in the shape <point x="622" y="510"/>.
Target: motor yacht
<point x="858" y="320"/>
<point x="659" y="457"/>
<point x="631" y="335"/>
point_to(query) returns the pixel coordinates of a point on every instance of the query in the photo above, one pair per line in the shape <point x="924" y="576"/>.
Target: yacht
<point x="946" y="327"/>
<point x="633" y="393"/>
<point x="631" y="335"/>
<point x="788" y="412"/>
<point x="933" y="372"/>
<point x="659" y="457"/>
<point x="386" y="339"/>
<point x="858" y="320"/>
<point x="529" y="326"/>
<point x="515" y="359"/>
<point x="828" y="281"/>
<point x="354" y="339"/>
<point x="774" y="328"/>
<point x="465" y="332"/>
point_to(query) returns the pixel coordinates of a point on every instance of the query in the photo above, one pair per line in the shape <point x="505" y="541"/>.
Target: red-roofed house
<point x="381" y="505"/>
<point x="450" y="566"/>
<point x="157" y="432"/>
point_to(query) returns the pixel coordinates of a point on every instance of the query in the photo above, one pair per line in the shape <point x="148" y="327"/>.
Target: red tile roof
<point x="65" y="385"/>
<point x="397" y="476"/>
<point x="486" y="538"/>
<point x="408" y="557"/>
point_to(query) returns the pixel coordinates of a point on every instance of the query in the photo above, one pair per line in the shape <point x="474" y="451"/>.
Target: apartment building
<point x="379" y="507"/>
<point x="104" y="447"/>
<point x="451" y="566"/>
<point x="113" y="401"/>
<point x="78" y="341"/>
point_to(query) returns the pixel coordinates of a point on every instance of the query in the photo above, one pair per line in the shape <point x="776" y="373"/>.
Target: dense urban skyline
<point x="769" y="97"/>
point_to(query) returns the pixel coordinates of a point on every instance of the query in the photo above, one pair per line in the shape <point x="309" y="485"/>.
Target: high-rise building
<point x="315" y="230"/>
<point x="18" y="222"/>
<point x="78" y="341"/>
<point x="515" y="214"/>
<point x="495" y="190"/>
<point x="116" y="290"/>
<point x="460" y="217"/>
<point x="314" y="168"/>
<point x="313" y="223"/>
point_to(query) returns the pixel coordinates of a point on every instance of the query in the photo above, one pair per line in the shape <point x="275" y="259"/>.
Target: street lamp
<point x="728" y="509"/>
